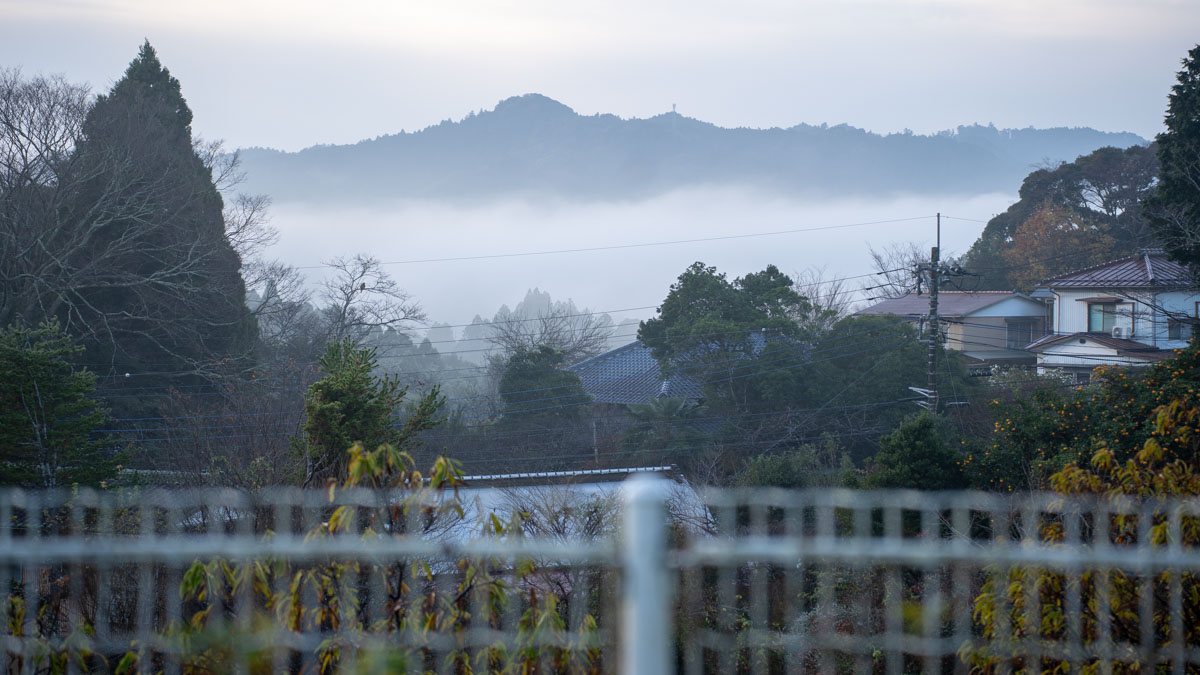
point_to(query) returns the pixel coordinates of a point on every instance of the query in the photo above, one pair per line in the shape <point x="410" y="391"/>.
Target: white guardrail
<point x="648" y="577"/>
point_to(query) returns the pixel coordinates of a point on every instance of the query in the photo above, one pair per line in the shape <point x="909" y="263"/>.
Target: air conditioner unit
<point x="1119" y="332"/>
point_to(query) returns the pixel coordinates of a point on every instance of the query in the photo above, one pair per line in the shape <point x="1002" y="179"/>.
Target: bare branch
<point x="578" y="334"/>
<point x="830" y="298"/>
<point x="361" y="297"/>
<point x="894" y="266"/>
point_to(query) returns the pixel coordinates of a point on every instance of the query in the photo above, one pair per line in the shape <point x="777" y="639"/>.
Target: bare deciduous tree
<point x="830" y="297"/>
<point x="240" y="436"/>
<point x="577" y="334"/>
<point x="361" y="297"/>
<point x="895" y="267"/>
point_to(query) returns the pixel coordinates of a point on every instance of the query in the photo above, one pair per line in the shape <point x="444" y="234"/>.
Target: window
<point x="1020" y="334"/>
<point x="1175" y="328"/>
<point x="1102" y="316"/>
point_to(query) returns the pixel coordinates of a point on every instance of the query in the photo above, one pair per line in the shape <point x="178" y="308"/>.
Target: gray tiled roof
<point x="630" y="375"/>
<point x="1149" y="268"/>
<point x="950" y="303"/>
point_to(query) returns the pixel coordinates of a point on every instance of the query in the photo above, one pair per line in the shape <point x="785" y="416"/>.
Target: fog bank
<point x="454" y="291"/>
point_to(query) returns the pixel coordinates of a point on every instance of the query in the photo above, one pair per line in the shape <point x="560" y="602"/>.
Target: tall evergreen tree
<point x="166" y="295"/>
<point x="1174" y="209"/>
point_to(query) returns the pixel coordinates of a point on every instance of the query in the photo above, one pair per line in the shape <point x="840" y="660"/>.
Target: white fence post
<point x="647" y="635"/>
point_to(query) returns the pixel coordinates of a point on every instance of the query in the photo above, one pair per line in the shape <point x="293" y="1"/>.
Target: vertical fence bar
<point x="646" y="627"/>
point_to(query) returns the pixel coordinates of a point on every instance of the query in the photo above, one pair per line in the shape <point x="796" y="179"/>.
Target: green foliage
<point x="1166" y="464"/>
<point x="778" y="385"/>
<point x="146" y="76"/>
<point x="807" y="466"/>
<point x="349" y="406"/>
<point x="1037" y="435"/>
<point x="916" y="456"/>
<point x="537" y="391"/>
<point x="1099" y="194"/>
<point x="1174" y="208"/>
<point x="870" y="361"/>
<point x="874" y="358"/>
<point x="664" y="428"/>
<point x="49" y="413"/>
<point x="704" y="313"/>
<point x="736" y="338"/>
<point x="169" y="296"/>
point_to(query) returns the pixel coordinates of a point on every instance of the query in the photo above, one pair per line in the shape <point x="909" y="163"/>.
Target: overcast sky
<point x="293" y="73"/>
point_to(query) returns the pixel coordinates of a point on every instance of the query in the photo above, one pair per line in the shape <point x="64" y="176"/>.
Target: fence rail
<point x="649" y="577"/>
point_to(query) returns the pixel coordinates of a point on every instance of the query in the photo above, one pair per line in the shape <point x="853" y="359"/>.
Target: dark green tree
<point x="350" y="405"/>
<point x="49" y="413"/>
<point x="536" y="391"/>
<point x="916" y="456"/>
<point x="1174" y="208"/>
<point x="155" y="284"/>
<point x="736" y="338"/>
<point x="776" y="385"/>
<point x="859" y="377"/>
<point x="664" y="428"/>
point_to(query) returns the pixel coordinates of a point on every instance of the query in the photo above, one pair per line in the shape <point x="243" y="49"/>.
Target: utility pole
<point x="935" y="271"/>
<point x="933" y="335"/>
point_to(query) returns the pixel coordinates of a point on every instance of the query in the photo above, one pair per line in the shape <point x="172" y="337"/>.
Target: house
<point x="988" y="327"/>
<point x="1130" y="312"/>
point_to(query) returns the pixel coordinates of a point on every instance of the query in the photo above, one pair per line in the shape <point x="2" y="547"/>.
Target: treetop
<point x="146" y="76"/>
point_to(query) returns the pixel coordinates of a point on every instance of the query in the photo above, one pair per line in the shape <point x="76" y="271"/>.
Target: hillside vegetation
<point x="532" y="145"/>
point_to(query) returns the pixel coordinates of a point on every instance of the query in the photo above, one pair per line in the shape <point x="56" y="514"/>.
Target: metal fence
<point x="656" y="578"/>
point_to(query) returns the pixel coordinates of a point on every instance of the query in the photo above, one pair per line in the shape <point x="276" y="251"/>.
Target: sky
<point x="293" y="73"/>
<point x="290" y="74"/>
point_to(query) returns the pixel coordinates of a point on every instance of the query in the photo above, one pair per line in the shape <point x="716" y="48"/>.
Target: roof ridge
<point x="607" y="354"/>
<point x="1133" y="257"/>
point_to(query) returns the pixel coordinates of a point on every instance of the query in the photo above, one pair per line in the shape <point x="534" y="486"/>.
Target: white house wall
<point x="1177" y="303"/>
<point x="1073" y="354"/>
<point x="1148" y="326"/>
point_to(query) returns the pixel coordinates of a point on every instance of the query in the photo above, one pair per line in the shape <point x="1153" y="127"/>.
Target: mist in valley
<point x="501" y="245"/>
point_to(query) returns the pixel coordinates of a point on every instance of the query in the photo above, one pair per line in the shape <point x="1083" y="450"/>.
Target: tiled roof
<point x="950" y="303"/>
<point x="1122" y="346"/>
<point x="630" y="375"/>
<point x="1147" y="269"/>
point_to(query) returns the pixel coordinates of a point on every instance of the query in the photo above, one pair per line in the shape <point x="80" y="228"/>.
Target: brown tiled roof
<point x="950" y="303"/>
<point x="1147" y="269"/>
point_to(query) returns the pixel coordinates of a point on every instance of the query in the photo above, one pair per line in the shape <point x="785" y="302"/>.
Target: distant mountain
<point x="534" y="145"/>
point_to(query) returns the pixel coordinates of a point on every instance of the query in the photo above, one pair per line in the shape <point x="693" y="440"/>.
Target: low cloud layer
<point x="455" y="291"/>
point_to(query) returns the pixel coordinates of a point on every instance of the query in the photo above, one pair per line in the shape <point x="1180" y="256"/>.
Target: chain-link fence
<point x="649" y="577"/>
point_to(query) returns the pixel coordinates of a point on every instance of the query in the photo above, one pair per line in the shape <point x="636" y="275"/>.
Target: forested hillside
<point x="1070" y="216"/>
<point x="533" y="145"/>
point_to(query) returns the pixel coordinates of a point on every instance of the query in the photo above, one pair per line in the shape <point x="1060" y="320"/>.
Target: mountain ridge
<point x="533" y="145"/>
